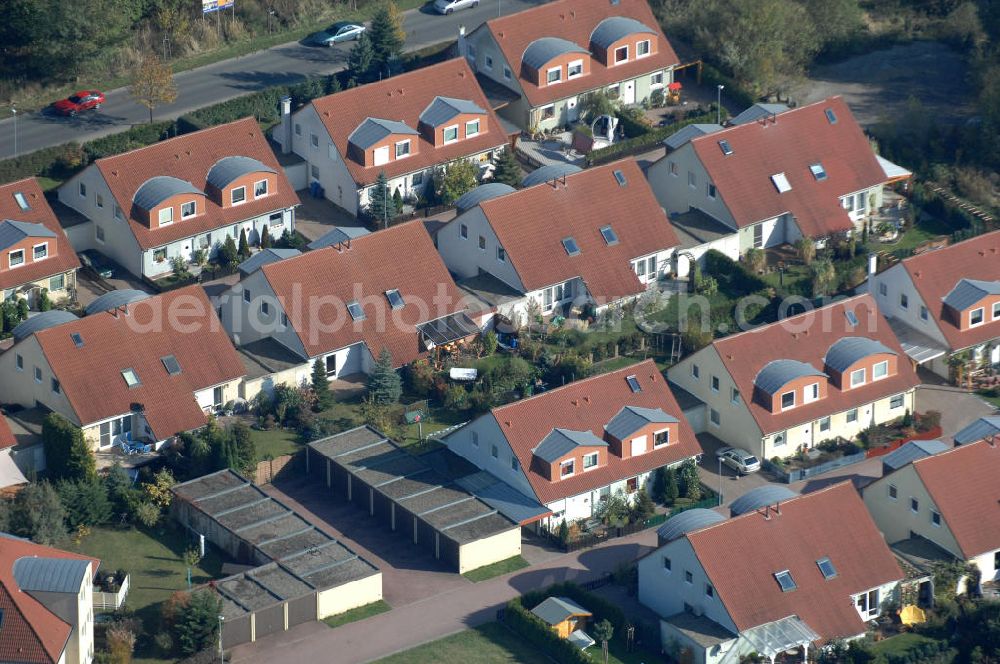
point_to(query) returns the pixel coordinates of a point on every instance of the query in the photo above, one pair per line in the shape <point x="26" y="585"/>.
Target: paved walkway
<point x="435" y="617"/>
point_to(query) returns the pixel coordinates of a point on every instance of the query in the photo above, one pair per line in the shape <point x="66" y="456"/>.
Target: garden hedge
<point x="600" y="607"/>
<point x="529" y="626"/>
<point x="724" y="267"/>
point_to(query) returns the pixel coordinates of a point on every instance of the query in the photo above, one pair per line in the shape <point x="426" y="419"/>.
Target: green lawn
<point x="497" y="569"/>
<point x="900" y="644"/>
<point x="153" y="562"/>
<point x="275" y="442"/>
<point x="491" y="643"/>
<point x="925" y="230"/>
<point x="360" y="613"/>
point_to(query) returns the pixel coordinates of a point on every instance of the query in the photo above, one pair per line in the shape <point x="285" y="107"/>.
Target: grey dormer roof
<point x="53" y="575"/>
<point x="769" y="494"/>
<point x="373" y="130"/>
<point x="157" y="189"/>
<point x="778" y="373"/>
<point x="265" y="257"/>
<point x="12" y="232"/>
<point x="969" y="291"/>
<point x="443" y="109"/>
<point x="688" y="521"/>
<point x="549" y="172"/>
<point x="542" y="50"/>
<point x="632" y="418"/>
<point x="684" y="135"/>
<point x="981" y="428"/>
<point x="337" y="236"/>
<point x="554" y="610"/>
<point x="483" y="192"/>
<point x="42" y="321"/>
<point x="758" y="111"/>
<point x="845" y="352"/>
<point x="228" y="169"/>
<point x="561" y="441"/>
<point x="612" y="29"/>
<point x="916" y="449"/>
<point x="114" y="299"/>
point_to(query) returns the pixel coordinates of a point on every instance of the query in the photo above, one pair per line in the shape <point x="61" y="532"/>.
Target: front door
<point x="628" y="92"/>
<point x="572" y="112"/>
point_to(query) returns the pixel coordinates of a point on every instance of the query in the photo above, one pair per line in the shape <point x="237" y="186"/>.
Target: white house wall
<point x="245" y="323"/>
<point x="465" y="259"/>
<point x="674" y="193"/>
<point x="324" y="163"/>
<point x="20" y="387"/>
<point x="486" y="432"/>
<point x="897" y="283"/>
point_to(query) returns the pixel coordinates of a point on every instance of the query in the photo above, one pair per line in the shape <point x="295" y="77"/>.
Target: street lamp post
<point x="14" y="112"/>
<point x="718" y="105"/>
<point x="498" y="8"/>
<point x="221" y="655"/>
<point x="720" y="481"/>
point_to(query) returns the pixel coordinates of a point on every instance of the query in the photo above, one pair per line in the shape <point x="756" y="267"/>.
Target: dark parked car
<point x="97" y="263"/>
<point x="84" y="100"/>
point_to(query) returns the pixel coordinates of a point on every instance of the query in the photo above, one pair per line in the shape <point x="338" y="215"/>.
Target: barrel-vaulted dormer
<point x="236" y="180"/>
<point x="376" y="142"/>
<point x="551" y="60"/>
<point x="853" y="362"/>
<point x="785" y="384"/>
<point x="447" y="120"/>
<point x="972" y="302"/>
<point x="618" y="40"/>
<point x="163" y="200"/>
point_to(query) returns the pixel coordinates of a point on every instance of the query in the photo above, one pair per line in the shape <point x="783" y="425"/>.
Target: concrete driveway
<point x="957" y="407"/>
<point x="731" y="484"/>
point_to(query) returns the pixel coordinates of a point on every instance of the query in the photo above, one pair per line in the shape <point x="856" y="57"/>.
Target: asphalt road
<point x="280" y="65"/>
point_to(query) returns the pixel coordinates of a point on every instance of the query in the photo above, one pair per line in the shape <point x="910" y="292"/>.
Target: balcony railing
<point x="104" y="601"/>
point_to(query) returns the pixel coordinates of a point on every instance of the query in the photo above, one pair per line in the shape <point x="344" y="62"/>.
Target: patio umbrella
<point x="676" y="85"/>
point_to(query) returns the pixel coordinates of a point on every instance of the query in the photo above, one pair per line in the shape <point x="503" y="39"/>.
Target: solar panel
<point x="357" y="313"/>
<point x="818" y="171"/>
<point x="395" y="299"/>
<point x="621" y="178"/>
<point x="633" y="383"/>
<point x="570" y="245"/>
<point x="171" y="364"/>
<point x="726" y="148"/>
<point x="609" y="235"/>
<point x="827" y="568"/>
<point x="830" y="115"/>
<point x="131" y="377"/>
<point x="77" y="339"/>
<point x="786" y="581"/>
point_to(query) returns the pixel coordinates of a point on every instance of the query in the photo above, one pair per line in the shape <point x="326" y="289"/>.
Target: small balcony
<point x="110" y="591"/>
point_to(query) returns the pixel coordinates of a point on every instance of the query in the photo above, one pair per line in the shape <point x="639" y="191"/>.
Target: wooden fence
<point x="268" y="469"/>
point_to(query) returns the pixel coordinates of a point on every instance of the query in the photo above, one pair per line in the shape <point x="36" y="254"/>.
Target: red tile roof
<point x="402" y="99"/>
<point x="963" y="484"/>
<point x="7" y="438"/>
<point x="795" y="140"/>
<point x="29" y="633"/>
<point x="936" y="272"/>
<point x="402" y="257"/>
<point x="190" y="157"/>
<point x="597" y="401"/>
<point x="40" y="213"/>
<point x="741" y="556"/>
<point x="181" y="323"/>
<point x="806" y="338"/>
<point x="531" y="224"/>
<point x="575" y="20"/>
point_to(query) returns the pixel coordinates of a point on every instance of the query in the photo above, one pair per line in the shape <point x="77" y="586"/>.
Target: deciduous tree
<point x="153" y="84"/>
<point x="38" y="514"/>
<point x="462" y="176"/>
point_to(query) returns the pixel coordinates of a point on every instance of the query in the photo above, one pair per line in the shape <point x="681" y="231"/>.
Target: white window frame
<point x="10" y="258"/>
<point x="711" y="191"/>
<point x="592" y="455"/>
<point x="996" y="311"/>
<point x="488" y="62"/>
<point x="734" y="396"/>
<point x="714" y="417"/>
<point x="468" y="124"/>
<point x="99" y="200"/>
<point x="507" y="73"/>
<point x="883" y="289"/>
<point x="892" y="493"/>
<point x="444" y="134"/>
<point x="34" y="251"/>
<point x="638" y="49"/>
<point x="825" y="424"/>
<point x="900" y="398"/>
<point x="904" y="301"/>
<point x="118" y="213"/>
<point x="851" y="416"/>
<point x="406" y="154"/>
<point x="657" y="445"/>
<point x="925" y="315"/>
<point x="185" y="204"/>
<point x="548" y="112"/>
<point x="715" y="383"/>
<point x="614" y="55"/>
<point x="501" y="254"/>
<point x="83" y="189"/>
<point x="864" y="377"/>
<point x="695" y="371"/>
<point x="569" y="69"/>
<point x="232" y="195"/>
<point x="314" y="141"/>
<point x="169" y="220"/>
<point x="810" y="393"/>
<point x="463" y="231"/>
<point x="982" y="316"/>
<point x="267" y="188"/>
<point x="548" y="75"/>
<point x="869" y="612"/>
<point x="791" y="405"/>
<point x="935" y="522"/>
<point x="571" y="464"/>
<point x="60" y="286"/>
<point x="656" y="80"/>
<point x="875" y="370"/>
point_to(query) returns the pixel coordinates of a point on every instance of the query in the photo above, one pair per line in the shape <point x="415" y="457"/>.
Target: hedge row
<point x="600" y="607"/>
<point x="722" y="267"/>
<point x="647" y="141"/>
<point x="532" y="628"/>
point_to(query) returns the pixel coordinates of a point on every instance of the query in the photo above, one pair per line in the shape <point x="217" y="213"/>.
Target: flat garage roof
<point x="305" y="558"/>
<point x="413" y="484"/>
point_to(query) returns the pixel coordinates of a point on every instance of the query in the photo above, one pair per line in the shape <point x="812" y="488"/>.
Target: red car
<point x="81" y="101"/>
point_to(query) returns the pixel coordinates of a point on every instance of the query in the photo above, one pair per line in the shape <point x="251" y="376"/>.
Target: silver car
<point x="448" y="6"/>
<point x="739" y="460"/>
<point x="338" y="32"/>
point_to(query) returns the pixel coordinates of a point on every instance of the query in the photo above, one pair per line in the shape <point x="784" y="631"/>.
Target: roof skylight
<point x="131" y="377"/>
<point x="609" y="235"/>
<point x="357" y="313"/>
<point x="852" y="319"/>
<point x="570" y="245"/>
<point x="781" y="183"/>
<point x="818" y="171"/>
<point x="633" y="383"/>
<point x="22" y="202"/>
<point x="830" y="116"/>
<point x="395" y="299"/>
<point x="785" y="580"/>
<point x="77" y="339"/>
<point x="171" y="364"/>
<point x="725" y="147"/>
<point x="827" y="568"/>
<point x="621" y="178"/>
